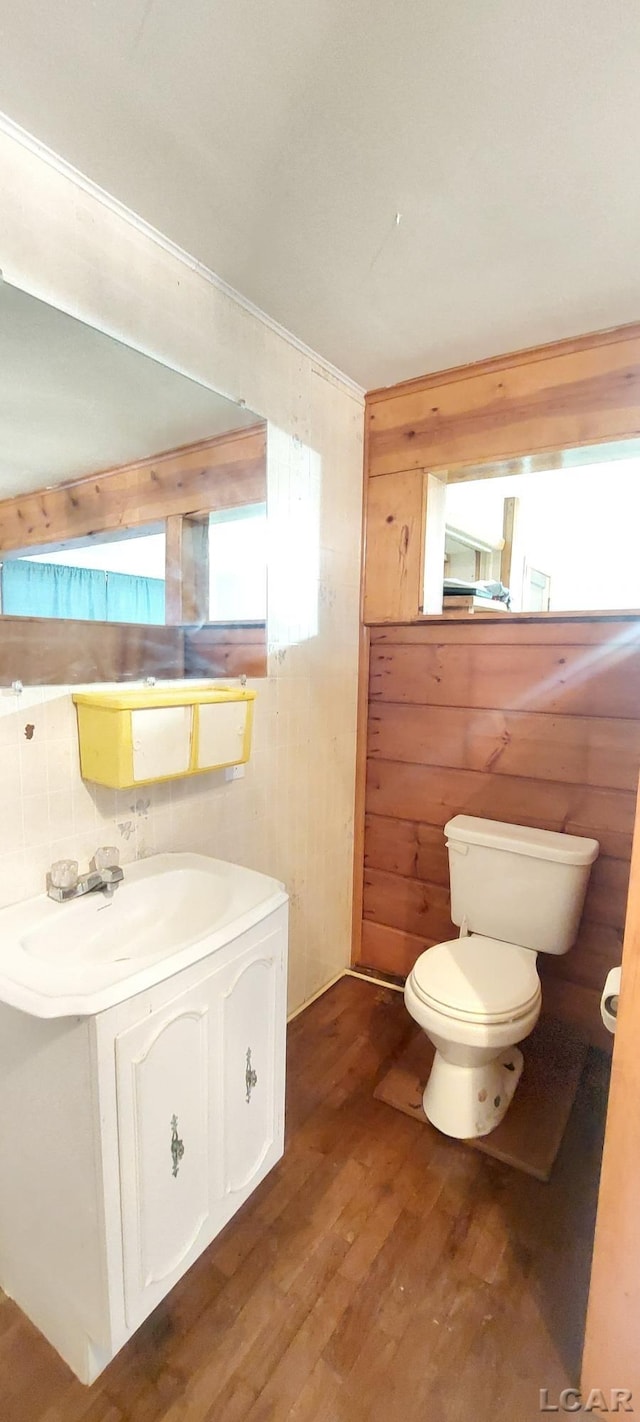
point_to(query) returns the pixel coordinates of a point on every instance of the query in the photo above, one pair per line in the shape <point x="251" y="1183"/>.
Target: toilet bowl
<point x="475" y="998"/>
<point x="515" y="892"/>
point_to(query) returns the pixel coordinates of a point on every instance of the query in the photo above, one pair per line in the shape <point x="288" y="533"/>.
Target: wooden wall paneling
<point x="225" y="472"/>
<point x="52" y="652"/>
<point x="622" y="629"/>
<point x="602" y="681"/>
<point x="409" y="904"/>
<point x="417" y="850"/>
<point x="394" y="547"/>
<point x="597" y="949"/>
<point x="187" y="568"/>
<point x="406" y="847"/>
<point x="606" y="901"/>
<point x="611" y="1354"/>
<point x="549" y="398"/>
<point x="362" y="713"/>
<point x="383" y="946"/>
<point x="589" y="750"/>
<point x="433" y="794"/>
<point x="433" y="753"/>
<point x="226" y="649"/>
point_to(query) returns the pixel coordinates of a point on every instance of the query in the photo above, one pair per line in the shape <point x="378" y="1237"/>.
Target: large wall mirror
<point x="132" y="511"/>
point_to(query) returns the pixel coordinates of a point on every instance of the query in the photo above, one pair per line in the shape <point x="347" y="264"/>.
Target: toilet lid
<point x="476" y="977"/>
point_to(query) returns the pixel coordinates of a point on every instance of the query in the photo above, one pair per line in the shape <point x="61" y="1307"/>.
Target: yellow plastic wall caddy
<point x="138" y="737"/>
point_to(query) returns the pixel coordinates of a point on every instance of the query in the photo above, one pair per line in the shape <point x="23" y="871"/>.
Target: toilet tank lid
<point x="521" y="839"/>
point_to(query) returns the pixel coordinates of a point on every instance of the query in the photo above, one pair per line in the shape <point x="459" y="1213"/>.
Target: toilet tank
<point x="520" y="885"/>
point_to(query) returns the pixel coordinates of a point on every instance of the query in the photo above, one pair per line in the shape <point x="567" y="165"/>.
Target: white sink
<point x="83" y="956"/>
<point x="146" y="917"/>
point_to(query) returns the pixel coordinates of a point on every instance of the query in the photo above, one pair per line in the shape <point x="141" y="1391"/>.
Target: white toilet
<point x="515" y="892"/>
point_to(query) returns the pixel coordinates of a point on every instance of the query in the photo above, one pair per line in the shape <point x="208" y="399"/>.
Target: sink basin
<point x="145" y="918"/>
<point x="84" y="956"/>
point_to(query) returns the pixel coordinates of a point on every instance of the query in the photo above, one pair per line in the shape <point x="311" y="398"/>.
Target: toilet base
<point x="469" y="1101"/>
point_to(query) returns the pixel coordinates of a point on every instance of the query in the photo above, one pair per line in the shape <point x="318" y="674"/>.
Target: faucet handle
<point x="108" y="857"/>
<point x="63" y="874"/>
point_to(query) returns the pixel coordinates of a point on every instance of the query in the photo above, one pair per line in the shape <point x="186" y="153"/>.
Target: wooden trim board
<point x="538" y="401"/>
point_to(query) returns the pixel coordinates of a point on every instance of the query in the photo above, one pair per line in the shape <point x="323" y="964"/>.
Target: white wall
<point x="292" y="815"/>
<point x="144" y="556"/>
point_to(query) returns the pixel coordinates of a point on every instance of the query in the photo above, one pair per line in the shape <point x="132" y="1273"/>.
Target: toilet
<point x="515" y="892"/>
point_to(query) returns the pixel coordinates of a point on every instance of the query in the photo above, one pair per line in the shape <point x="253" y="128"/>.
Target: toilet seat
<point x="477" y="979"/>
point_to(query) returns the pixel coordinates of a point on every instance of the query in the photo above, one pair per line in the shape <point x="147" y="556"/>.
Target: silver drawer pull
<point x="177" y="1146"/>
<point x="250" y="1076"/>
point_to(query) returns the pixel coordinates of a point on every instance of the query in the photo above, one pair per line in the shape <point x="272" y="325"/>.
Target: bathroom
<point x="381" y="1268"/>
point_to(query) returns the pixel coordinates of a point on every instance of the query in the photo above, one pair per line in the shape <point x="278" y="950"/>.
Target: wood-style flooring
<point x="382" y="1273"/>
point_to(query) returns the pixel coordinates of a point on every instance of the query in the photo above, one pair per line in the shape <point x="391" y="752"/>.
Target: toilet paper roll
<point x="609" y="999"/>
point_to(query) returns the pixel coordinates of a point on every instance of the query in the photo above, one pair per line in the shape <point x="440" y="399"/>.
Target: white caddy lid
<point x="478" y="978"/>
<point x="520" y="839"/>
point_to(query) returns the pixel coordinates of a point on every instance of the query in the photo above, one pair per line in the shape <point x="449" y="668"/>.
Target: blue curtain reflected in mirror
<point x="33" y="589"/>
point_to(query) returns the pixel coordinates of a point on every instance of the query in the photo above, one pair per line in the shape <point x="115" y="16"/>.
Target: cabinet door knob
<point x="177" y="1146"/>
<point x="250" y="1076"/>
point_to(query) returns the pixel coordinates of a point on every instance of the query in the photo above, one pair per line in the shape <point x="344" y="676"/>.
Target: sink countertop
<point x="86" y="955"/>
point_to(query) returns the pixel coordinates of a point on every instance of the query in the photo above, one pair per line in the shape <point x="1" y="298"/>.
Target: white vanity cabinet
<point x="249" y="1066"/>
<point x="165" y="1078"/>
<point x="136" y="1135"/>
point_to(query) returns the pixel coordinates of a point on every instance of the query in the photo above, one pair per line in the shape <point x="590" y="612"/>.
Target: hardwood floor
<point x="381" y="1272"/>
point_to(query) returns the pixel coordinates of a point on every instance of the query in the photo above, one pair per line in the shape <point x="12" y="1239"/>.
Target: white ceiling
<point x="276" y="142"/>
<point x="74" y="401"/>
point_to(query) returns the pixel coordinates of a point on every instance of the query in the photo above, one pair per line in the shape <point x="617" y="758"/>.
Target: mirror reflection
<point x="560" y="537"/>
<point x="128" y="492"/>
<point x="238" y="564"/>
<point x="117" y="577"/>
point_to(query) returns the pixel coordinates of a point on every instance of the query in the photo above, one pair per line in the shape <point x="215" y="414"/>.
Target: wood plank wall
<point x="534" y="722"/>
<point x="550" y="398"/>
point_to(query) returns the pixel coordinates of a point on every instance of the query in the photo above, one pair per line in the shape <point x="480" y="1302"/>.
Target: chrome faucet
<point x="104" y="874"/>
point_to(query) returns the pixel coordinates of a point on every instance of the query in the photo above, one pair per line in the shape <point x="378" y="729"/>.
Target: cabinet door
<point x="222" y="733"/>
<point x="253" y="1047"/>
<point x="166" y="1133"/>
<point x="161" y="739"/>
